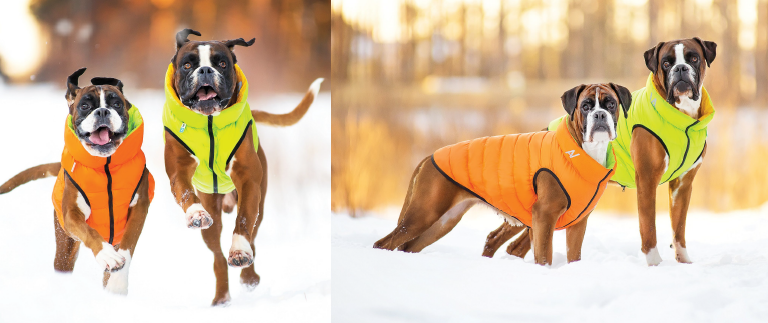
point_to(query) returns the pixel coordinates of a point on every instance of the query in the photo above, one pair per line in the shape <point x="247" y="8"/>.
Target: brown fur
<point x="434" y="205"/>
<point x="31" y="174"/>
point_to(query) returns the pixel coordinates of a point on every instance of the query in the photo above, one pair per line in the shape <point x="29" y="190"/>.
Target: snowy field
<point x="171" y="275"/>
<point x="450" y="282"/>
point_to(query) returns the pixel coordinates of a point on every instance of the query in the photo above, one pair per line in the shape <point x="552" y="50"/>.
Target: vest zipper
<point x="685" y="155"/>
<point x="109" y="193"/>
<point x="210" y="159"/>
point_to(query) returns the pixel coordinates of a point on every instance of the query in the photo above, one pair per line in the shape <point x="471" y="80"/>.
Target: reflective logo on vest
<point x="570" y="153"/>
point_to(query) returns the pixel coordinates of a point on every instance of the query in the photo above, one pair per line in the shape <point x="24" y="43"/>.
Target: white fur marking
<point x="666" y="163"/>
<point x="205" y="55"/>
<point x="118" y="281"/>
<point x="108" y="258"/>
<point x="315" y="87"/>
<point x="680" y="253"/>
<point x="134" y="200"/>
<point x="652" y="257"/>
<point x="194" y="208"/>
<point x="688" y="106"/>
<point x="80" y="201"/>
<point x="240" y="243"/>
<point x="192" y="213"/>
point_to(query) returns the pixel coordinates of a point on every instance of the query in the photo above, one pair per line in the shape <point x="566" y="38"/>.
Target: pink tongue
<point x="202" y="94"/>
<point x="100" y="137"/>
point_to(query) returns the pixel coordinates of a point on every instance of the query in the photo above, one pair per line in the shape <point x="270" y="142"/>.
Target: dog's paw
<point x="198" y="218"/>
<point x="681" y="255"/>
<point x="652" y="257"/>
<point x="118" y="280"/>
<point x="109" y="259"/>
<point x="240" y="254"/>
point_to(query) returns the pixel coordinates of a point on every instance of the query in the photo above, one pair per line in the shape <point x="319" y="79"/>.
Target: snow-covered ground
<point x="171" y="275"/>
<point x="450" y="282"/>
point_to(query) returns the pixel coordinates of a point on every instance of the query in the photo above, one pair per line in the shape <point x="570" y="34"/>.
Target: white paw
<point x="652" y="257"/>
<point x="240" y="254"/>
<point x="198" y="218"/>
<point x="118" y="280"/>
<point x="109" y="259"/>
<point x="681" y="255"/>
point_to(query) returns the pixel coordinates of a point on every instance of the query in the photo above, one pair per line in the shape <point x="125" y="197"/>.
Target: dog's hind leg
<point x="432" y="195"/>
<point x="439" y="229"/>
<point x="498" y="237"/>
<point x="248" y="275"/>
<point x="520" y="247"/>
<point x="66" y="249"/>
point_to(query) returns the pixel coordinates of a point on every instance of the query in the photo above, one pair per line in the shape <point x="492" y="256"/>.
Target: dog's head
<point x="204" y="72"/>
<point x="594" y="109"/>
<point x="679" y="67"/>
<point x="99" y="113"/>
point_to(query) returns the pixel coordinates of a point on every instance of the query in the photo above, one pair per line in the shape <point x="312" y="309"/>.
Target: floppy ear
<point x="108" y="81"/>
<point x="571" y="98"/>
<point x="181" y="39"/>
<point x="72" y="87"/>
<point x="710" y="49"/>
<point x="237" y="42"/>
<point x="625" y="97"/>
<point x="652" y="57"/>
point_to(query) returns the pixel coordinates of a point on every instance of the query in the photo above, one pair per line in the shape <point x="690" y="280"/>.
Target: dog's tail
<point x="292" y="117"/>
<point x="34" y="173"/>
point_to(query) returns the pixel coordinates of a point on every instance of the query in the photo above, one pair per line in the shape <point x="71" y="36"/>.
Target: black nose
<point x="101" y="113"/>
<point x="680" y="68"/>
<point x="206" y="70"/>
<point x="601" y="116"/>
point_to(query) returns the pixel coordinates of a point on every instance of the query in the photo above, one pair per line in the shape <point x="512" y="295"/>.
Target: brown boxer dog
<point x="209" y="66"/>
<point x="93" y="108"/>
<point x="679" y="68"/>
<point x="434" y="204"/>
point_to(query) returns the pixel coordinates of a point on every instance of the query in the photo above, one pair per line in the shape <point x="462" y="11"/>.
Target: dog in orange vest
<point x="103" y="189"/>
<point x="547" y="180"/>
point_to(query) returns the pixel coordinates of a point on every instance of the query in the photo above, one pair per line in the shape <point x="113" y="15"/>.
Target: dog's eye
<point x="666" y="64"/>
<point x="187" y="65"/>
<point x="610" y="105"/>
<point x="116" y="105"/>
<point x="83" y="107"/>
<point x="585" y="106"/>
<point x="694" y="59"/>
<point x="223" y="64"/>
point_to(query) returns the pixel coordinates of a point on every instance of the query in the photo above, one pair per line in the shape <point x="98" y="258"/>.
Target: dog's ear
<point x="625" y="97"/>
<point x="181" y="39"/>
<point x="571" y="99"/>
<point x="108" y="81"/>
<point x="72" y="87"/>
<point x="237" y="42"/>
<point x="710" y="49"/>
<point x="652" y="57"/>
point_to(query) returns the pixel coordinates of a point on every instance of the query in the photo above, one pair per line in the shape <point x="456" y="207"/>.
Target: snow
<point x="171" y="275"/>
<point x="451" y="282"/>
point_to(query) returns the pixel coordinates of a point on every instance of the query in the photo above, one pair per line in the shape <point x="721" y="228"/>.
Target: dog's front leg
<point x="247" y="173"/>
<point x="74" y="223"/>
<point x="650" y="160"/>
<point x="180" y="166"/>
<point x="551" y="204"/>
<point x="679" y="198"/>
<point x="117" y="282"/>
<point x="574" y="237"/>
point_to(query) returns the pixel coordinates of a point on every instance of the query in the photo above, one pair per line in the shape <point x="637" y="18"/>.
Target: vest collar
<point x="674" y="116"/>
<point x="128" y="149"/>
<point x="587" y="167"/>
<point x="196" y="120"/>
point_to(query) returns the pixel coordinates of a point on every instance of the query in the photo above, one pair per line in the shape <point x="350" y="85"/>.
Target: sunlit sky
<point x="21" y="48"/>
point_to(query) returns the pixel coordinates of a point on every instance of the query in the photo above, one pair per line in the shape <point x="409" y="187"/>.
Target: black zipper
<point x="109" y="193"/>
<point x="210" y="160"/>
<point x="685" y="155"/>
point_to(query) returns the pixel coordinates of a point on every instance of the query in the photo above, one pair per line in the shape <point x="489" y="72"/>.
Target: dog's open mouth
<point x="206" y="93"/>
<point x="101" y="136"/>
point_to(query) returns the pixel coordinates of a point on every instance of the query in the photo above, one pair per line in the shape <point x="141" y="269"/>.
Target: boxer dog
<point x="106" y="211"/>
<point x="678" y="69"/>
<point x="204" y="79"/>
<point x="435" y="202"/>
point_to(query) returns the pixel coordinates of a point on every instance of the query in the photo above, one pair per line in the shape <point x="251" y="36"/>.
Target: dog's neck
<point x="597" y="148"/>
<point x="690" y="107"/>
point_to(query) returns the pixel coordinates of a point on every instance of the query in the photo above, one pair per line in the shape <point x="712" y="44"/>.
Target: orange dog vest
<point x="106" y="184"/>
<point x="502" y="171"/>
